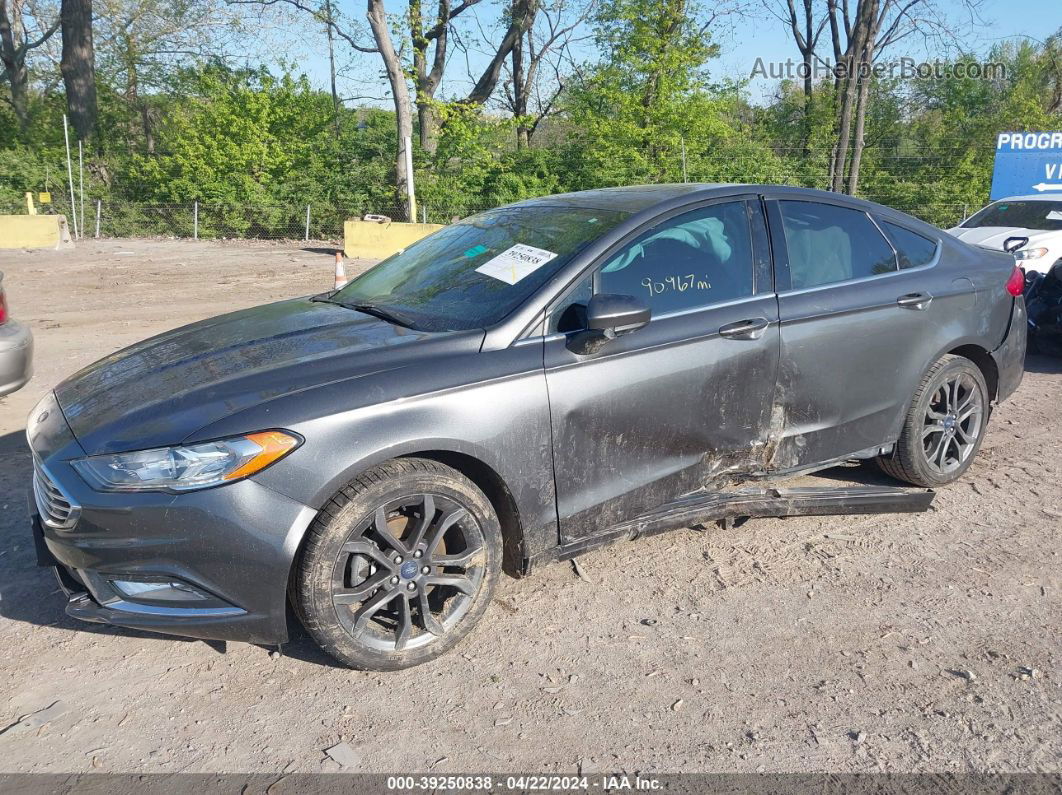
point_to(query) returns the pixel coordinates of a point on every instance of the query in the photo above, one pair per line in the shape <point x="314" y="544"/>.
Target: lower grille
<point x="57" y="510"/>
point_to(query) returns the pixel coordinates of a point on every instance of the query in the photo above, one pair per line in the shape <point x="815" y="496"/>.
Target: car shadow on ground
<point x="1041" y="363"/>
<point x="30" y="593"/>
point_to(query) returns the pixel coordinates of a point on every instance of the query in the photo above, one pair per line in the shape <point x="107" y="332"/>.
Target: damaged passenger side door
<point x="676" y="405"/>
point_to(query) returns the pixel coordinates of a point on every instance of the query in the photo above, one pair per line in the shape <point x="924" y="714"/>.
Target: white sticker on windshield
<point x="515" y="263"/>
<point x="1054" y="215"/>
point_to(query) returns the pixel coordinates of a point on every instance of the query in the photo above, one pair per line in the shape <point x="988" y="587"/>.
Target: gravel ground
<point x="897" y="643"/>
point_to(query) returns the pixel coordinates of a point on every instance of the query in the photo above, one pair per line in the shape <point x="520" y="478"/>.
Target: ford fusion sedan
<point x="16" y="349"/>
<point x="518" y="387"/>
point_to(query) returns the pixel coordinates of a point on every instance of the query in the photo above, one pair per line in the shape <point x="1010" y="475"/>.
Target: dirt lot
<point x="832" y="644"/>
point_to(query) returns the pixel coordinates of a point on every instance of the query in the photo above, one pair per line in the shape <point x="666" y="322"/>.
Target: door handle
<point x="914" y="300"/>
<point x="751" y="329"/>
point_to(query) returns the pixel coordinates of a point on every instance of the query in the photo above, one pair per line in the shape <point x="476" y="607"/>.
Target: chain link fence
<point x="210" y="221"/>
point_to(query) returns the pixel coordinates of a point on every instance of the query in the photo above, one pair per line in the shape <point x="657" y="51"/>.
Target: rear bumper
<point x="16" y="357"/>
<point x="1010" y="356"/>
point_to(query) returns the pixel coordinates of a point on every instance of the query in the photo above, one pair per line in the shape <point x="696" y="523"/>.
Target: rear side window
<point x="829" y="244"/>
<point x="913" y="250"/>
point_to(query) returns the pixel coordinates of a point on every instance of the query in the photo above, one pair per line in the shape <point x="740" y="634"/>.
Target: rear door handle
<point x="914" y="300"/>
<point x="751" y="329"/>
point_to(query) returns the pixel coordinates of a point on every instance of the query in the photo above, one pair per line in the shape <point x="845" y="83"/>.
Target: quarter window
<point x="829" y="244"/>
<point x="912" y="249"/>
<point x="696" y="259"/>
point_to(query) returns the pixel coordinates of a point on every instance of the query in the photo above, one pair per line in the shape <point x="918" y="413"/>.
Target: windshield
<point x="1041" y="215"/>
<point x="473" y="273"/>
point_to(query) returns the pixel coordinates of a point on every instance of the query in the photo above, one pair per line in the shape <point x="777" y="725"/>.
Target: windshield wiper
<point x="390" y="315"/>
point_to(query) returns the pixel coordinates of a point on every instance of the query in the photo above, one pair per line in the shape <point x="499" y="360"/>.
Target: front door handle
<point x="751" y="329"/>
<point x="914" y="300"/>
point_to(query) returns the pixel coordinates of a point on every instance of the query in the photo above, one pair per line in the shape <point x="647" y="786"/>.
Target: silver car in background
<point x="16" y="350"/>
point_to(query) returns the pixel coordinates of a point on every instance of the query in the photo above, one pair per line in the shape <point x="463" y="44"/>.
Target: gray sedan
<point x="518" y="387"/>
<point x="16" y="350"/>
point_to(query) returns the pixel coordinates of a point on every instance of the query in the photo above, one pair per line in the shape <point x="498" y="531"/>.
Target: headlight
<point x="1030" y="253"/>
<point x="196" y="466"/>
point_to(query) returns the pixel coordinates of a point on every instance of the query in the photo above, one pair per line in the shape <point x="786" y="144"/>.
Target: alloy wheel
<point x="408" y="574"/>
<point x="953" y="422"/>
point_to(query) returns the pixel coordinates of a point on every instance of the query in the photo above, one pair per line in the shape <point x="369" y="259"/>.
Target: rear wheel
<point x="399" y="566"/>
<point x="944" y="427"/>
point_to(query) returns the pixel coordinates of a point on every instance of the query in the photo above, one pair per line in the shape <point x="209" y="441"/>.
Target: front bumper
<point x="233" y="546"/>
<point x="16" y="357"/>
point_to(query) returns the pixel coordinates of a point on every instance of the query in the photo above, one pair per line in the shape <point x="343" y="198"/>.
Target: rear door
<point x="681" y="403"/>
<point x="857" y="329"/>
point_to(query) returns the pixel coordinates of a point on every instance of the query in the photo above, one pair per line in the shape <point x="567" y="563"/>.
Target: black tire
<point x="934" y="452"/>
<point x="355" y="586"/>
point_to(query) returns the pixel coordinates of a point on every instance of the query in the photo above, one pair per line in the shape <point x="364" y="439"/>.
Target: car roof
<point x="630" y="199"/>
<point x="636" y="198"/>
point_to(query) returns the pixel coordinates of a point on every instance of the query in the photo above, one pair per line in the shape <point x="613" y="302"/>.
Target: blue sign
<point x="1027" y="163"/>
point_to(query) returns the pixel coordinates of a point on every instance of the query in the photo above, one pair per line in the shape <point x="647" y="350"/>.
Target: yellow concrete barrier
<point x="34" y="231"/>
<point x="375" y="240"/>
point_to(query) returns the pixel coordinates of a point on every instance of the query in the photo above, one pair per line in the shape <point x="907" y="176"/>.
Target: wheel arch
<point x="473" y="467"/>
<point x="497" y="491"/>
<point x="985" y="363"/>
<point x="967" y="349"/>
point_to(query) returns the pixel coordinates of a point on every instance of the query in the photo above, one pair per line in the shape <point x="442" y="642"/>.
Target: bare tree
<point x="859" y="39"/>
<point x="16" y="42"/>
<point x="806" y="31"/>
<point x="139" y="42"/>
<point x="428" y="79"/>
<point x="79" y="66"/>
<point x="399" y="89"/>
<point x="538" y="64"/>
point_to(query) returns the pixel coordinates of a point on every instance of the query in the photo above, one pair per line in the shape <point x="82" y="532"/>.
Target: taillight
<point x="3" y="307"/>
<point x="1016" y="282"/>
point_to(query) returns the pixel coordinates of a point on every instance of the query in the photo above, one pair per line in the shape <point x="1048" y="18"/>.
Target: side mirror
<point x="612" y="315"/>
<point x="1012" y="244"/>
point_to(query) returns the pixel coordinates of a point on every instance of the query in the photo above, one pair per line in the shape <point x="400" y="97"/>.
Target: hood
<point x="160" y="391"/>
<point x="995" y="236"/>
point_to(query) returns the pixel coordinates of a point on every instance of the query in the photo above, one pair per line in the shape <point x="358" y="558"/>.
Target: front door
<point x="682" y="403"/>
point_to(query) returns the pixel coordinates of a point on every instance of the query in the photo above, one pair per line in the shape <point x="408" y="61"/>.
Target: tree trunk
<point x="523" y="15"/>
<point x="807" y="53"/>
<point x="78" y="66"/>
<point x="858" y="141"/>
<point x="399" y="92"/>
<point x="520" y="92"/>
<point x="14" y="62"/>
<point x="332" y="63"/>
<point x="18" y="76"/>
<point x="426" y="122"/>
<point x="866" y="15"/>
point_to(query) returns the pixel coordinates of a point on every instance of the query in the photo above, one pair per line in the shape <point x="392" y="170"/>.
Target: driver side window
<point x="693" y="260"/>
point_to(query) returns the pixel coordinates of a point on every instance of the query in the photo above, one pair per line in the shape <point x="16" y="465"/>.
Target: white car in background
<point x="1037" y="219"/>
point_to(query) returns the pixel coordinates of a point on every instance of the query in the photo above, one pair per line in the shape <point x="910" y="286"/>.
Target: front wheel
<point x="944" y="427"/>
<point x="399" y="566"/>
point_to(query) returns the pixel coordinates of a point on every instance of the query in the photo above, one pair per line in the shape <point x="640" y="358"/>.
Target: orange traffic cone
<point x="341" y="271"/>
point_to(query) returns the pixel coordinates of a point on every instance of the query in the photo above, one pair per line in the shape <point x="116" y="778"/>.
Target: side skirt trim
<point x="699" y="508"/>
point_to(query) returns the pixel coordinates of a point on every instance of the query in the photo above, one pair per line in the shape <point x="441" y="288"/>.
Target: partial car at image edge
<point x="1029" y="227"/>
<point x="16" y="349"/>
<point x="519" y="387"/>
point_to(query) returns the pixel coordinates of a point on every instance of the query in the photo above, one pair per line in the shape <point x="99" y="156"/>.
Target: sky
<point x="742" y="43"/>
